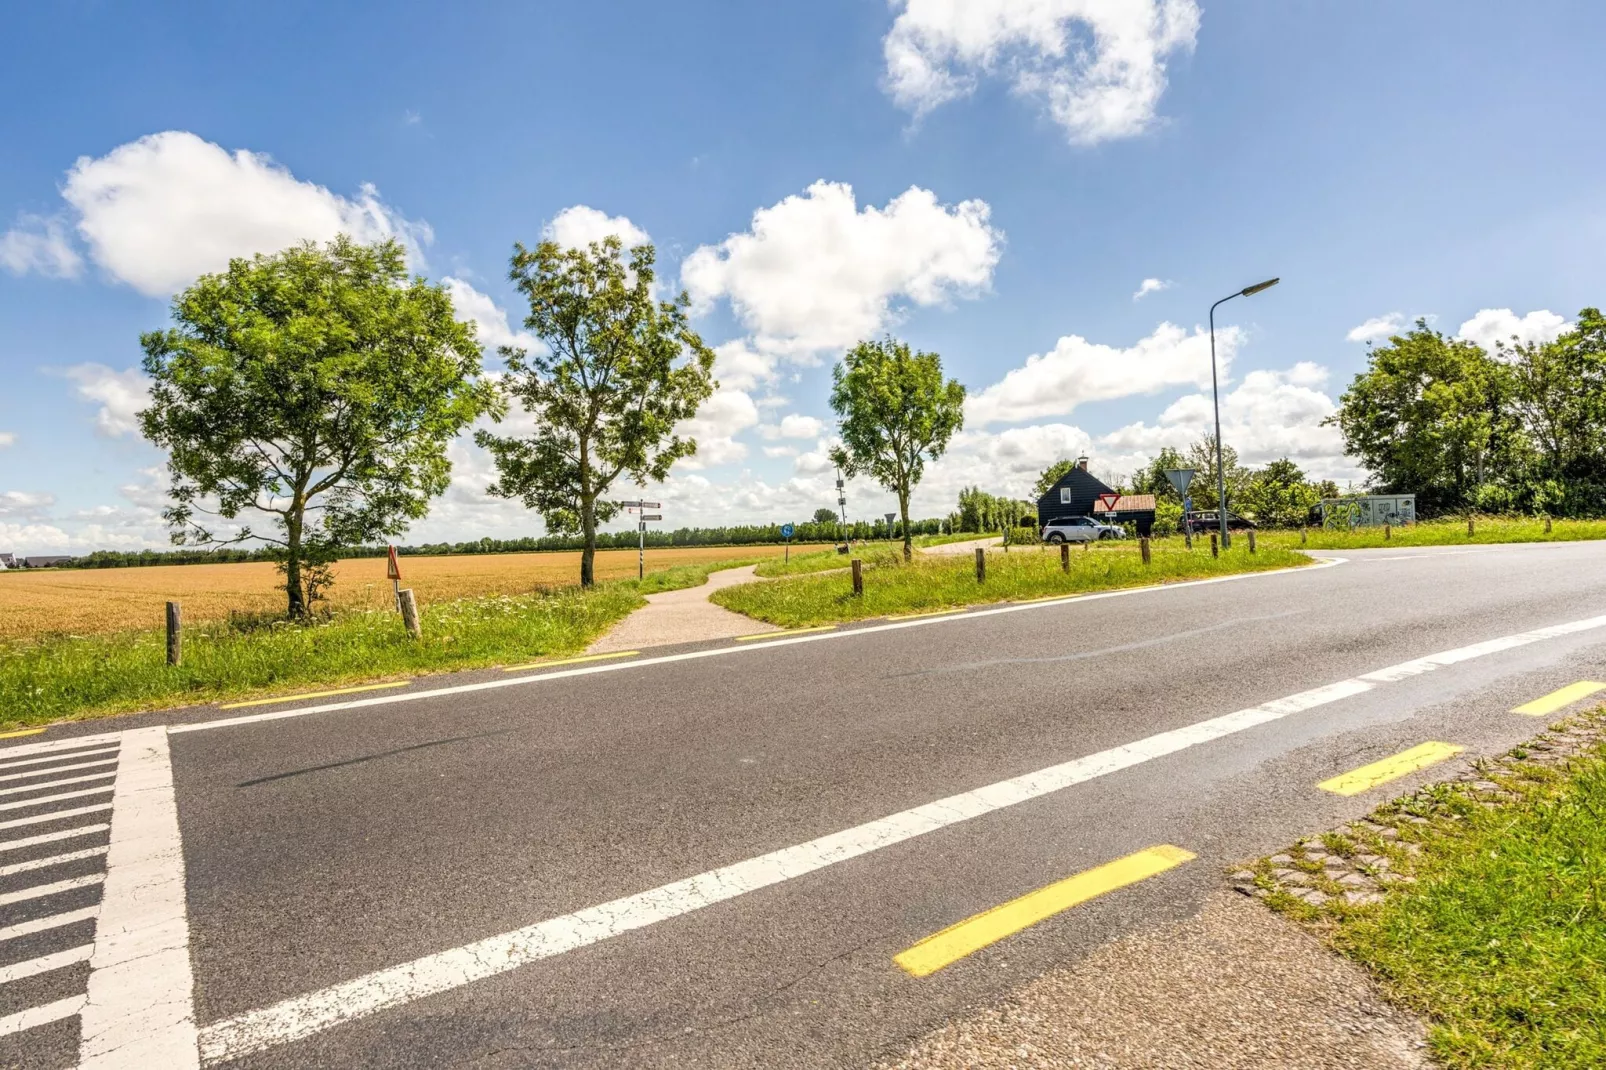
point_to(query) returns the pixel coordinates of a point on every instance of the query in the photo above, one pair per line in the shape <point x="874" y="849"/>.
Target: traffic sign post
<point x="393" y="573"/>
<point x="786" y="533"/>
<point x="641" y="532"/>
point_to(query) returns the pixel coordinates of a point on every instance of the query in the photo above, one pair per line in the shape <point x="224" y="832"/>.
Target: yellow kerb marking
<point x="1370" y="776"/>
<point x="21" y="732"/>
<point x="785" y="633"/>
<point x="932" y="613"/>
<point x="1558" y="700"/>
<point x="309" y="694"/>
<point x="570" y="661"/>
<point x="1043" y="598"/>
<point x="989" y="927"/>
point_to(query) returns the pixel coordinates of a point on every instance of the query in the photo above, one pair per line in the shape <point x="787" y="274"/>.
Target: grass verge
<point x="934" y="582"/>
<point x="82" y="676"/>
<point x="1443" y="532"/>
<point x="1494" y="924"/>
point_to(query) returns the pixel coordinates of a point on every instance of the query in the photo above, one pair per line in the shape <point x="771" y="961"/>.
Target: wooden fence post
<point x="981" y="565"/>
<point x="1215" y="551"/>
<point x="1251" y="540"/>
<point x="1471" y="529"/>
<point x="1302" y="536"/>
<point x="1065" y="557"/>
<point x="1143" y="547"/>
<point x="1547" y="525"/>
<point x="1187" y="537"/>
<point x="409" y="610"/>
<point x="175" y="635"/>
<point x="1388" y="532"/>
<point x="858" y="576"/>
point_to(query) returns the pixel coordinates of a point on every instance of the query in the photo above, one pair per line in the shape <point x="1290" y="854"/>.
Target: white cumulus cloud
<point x="159" y="211"/>
<point x="1097" y="66"/>
<point x="715" y="427"/>
<point x="7" y="438"/>
<point x="792" y="425"/>
<point x="1377" y="327"/>
<point x="489" y="318"/>
<point x="577" y="227"/>
<point x="816" y="272"/>
<point x="40" y="245"/>
<point x="1077" y="371"/>
<point x="1501" y="325"/>
<point x="1150" y="286"/>
<point x="120" y="395"/>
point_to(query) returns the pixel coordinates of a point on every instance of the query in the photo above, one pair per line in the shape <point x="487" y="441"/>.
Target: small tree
<point x="1279" y="496"/>
<point x="606" y="398"/>
<point x="895" y="413"/>
<point x="319" y="387"/>
<point x="825" y="516"/>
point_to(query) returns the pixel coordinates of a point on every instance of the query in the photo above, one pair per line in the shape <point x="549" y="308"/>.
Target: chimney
<point x="1081" y="462"/>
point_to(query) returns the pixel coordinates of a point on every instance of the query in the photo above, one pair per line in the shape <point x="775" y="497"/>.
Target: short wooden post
<point x="1388" y="532"/>
<point x="1471" y="527"/>
<point x="175" y="635"/>
<point x="1215" y="551"/>
<point x="1087" y="545"/>
<point x="1187" y="537"/>
<point x="409" y="610"/>
<point x="1547" y="525"/>
<point x="858" y="576"/>
<point x="1302" y="536"/>
<point x="1251" y="540"/>
<point x="1065" y="557"/>
<point x="1143" y="547"/>
<point x="981" y="564"/>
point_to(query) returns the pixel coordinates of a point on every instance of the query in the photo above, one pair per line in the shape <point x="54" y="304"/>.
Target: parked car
<point x="1080" y="529"/>
<point x="1210" y="520"/>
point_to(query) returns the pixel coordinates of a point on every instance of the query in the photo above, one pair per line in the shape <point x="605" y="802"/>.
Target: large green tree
<point x="1205" y="490"/>
<point x="1279" y="495"/>
<point x="620" y="371"/>
<point x="317" y="388"/>
<point x="1559" y="393"/>
<point x="895" y="412"/>
<point x="1432" y="416"/>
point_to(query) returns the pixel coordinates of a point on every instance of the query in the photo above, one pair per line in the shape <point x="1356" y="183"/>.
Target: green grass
<point x="1501" y="940"/>
<point x="81" y="676"/>
<point x="933" y="582"/>
<point x="1444" y="532"/>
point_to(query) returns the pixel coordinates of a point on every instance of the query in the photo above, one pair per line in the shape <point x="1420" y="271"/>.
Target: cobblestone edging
<point x="1354" y="865"/>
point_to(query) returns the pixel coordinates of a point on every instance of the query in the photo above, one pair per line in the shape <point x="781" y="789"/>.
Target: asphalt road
<point x="322" y="850"/>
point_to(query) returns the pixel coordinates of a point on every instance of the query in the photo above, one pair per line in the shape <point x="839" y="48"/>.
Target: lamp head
<point x="1250" y="291"/>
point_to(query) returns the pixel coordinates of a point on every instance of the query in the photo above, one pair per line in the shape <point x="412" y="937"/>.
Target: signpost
<point x="842" y="506"/>
<point x="393" y="573"/>
<point x="890" y="518"/>
<point x="1180" y="478"/>
<point x="641" y="532"/>
<point x="1107" y="504"/>
<point x="786" y="533"/>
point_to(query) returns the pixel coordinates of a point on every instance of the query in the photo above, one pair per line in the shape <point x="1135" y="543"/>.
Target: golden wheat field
<point x="84" y="601"/>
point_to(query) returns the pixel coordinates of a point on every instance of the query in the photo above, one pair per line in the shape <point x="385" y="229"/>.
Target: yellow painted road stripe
<point x="310" y="694"/>
<point x="570" y="661"/>
<point x="784" y="633"/>
<point x="990" y="926"/>
<point x="1370" y="776"/>
<point x="933" y="613"/>
<point x="21" y="732"/>
<point x="1558" y="700"/>
<point x="1044" y="598"/>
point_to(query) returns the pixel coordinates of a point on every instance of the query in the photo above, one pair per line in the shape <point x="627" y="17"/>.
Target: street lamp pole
<point x="1215" y="392"/>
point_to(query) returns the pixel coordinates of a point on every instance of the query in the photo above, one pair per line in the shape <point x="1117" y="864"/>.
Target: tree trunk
<point x="588" y="553"/>
<point x="903" y="509"/>
<point x="292" y="567"/>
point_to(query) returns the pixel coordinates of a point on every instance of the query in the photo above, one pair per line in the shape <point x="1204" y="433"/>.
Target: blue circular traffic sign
<point x="786" y="531"/>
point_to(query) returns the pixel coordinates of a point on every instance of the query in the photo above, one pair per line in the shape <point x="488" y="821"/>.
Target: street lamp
<point x="1221" y="472"/>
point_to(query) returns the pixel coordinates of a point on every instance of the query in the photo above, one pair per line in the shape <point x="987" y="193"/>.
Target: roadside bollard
<point x="1088" y="545"/>
<point x="1065" y="557"/>
<point x="1215" y="551"/>
<point x="1471" y="528"/>
<point x="1143" y="547"/>
<point x="1547" y="525"/>
<point x="1388" y="532"/>
<point x="1251" y="540"/>
<point x="175" y="635"/>
<point x="409" y="611"/>
<point x="1187" y="538"/>
<point x="1302" y="535"/>
<point x="981" y="564"/>
<point x="858" y="577"/>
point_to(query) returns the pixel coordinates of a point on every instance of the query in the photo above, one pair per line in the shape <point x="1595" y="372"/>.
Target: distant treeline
<point x="740" y="535"/>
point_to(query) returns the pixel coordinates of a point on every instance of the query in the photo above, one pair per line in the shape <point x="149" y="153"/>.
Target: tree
<point x="319" y="387"/>
<point x="1559" y="394"/>
<point x="1205" y="490"/>
<point x="895" y="412"/>
<point x="1431" y="416"/>
<point x="1151" y="479"/>
<point x="1051" y="475"/>
<point x="1279" y="496"/>
<point x="620" y="372"/>
<point x="825" y="516"/>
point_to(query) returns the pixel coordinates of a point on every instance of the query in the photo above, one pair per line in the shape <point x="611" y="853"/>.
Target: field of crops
<point x="95" y="601"/>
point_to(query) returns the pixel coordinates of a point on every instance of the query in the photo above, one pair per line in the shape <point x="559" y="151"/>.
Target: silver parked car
<point x="1080" y="529"/>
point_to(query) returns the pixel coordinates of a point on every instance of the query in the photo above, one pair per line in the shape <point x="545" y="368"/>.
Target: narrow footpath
<point x="684" y="616"/>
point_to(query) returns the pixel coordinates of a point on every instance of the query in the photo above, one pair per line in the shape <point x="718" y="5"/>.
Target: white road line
<point x="36" y="1016"/>
<point x="52" y="837"/>
<point x="44" y="964"/>
<point x="53" y="860"/>
<point x="730" y="651"/>
<point x="139" y="1011"/>
<point x="302" y="1016"/>
<point x="39" y="891"/>
<point x="23" y="804"/>
<point x="39" y="819"/>
<point x="55" y="758"/>
<point x="53" y="921"/>
<point x="58" y="783"/>
<point x="58" y="769"/>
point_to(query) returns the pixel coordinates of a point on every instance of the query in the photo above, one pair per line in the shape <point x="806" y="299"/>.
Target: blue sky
<point x="989" y="179"/>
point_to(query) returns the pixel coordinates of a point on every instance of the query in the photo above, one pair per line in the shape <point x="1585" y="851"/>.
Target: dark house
<point x="1077" y="494"/>
<point x="44" y="562"/>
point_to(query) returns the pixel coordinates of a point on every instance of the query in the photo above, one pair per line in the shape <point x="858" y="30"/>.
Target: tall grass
<point x="73" y="676"/>
<point x="932" y="582"/>
<point x="1442" y="532"/>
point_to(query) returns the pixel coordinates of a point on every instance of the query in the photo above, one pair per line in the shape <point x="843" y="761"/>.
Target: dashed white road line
<point x="55" y="769"/>
<point x="53" y="860"/>
<point x="37" y="1016"/>
<point x="52" y="921"/>
<point x="39" y="891"/>
<point x="44" y="963"/>
<point x="302" y="1016"/>
<point x="139" y="1010"/>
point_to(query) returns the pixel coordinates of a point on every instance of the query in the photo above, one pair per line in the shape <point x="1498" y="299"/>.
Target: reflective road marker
<point x="990" y="926"/>
<point x="1560" y="700"/>
<point x="1370" y="776"/>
